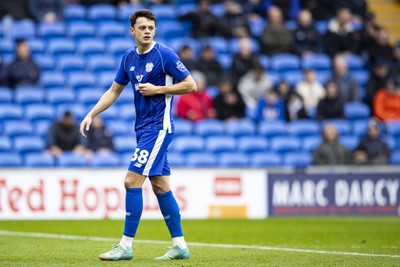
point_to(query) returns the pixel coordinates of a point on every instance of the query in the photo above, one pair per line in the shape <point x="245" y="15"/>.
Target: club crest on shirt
<point x="132" y="68"/>
<point x="180" y="66"/>
<point x="149" y="66"/>
<point x="139" y="78"/>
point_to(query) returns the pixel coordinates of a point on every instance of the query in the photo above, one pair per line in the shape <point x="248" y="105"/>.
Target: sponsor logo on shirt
<point x="180" y="66"/>
<point x="139" y="78"/>
<point x="149" y="66"/>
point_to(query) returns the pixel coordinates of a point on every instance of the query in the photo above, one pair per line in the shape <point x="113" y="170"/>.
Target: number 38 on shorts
<point x="141" y="155"/>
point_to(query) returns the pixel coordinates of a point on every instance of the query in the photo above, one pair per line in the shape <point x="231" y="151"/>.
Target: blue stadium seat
<point x="250" y="144"/>
<point x="37" y="46"/>
<point x="233" y="160"/>
<point x="234" y="46"/>
<point x="28" y="95"/>
<point x="6" y="95"/>
<point x="42" y="127"/>
<point x="68" y="64"/>
<point x="201" y="159"/>
<point x="89" y="48"/>
<point x="50" y="80"/>
<point x="70" y="159"/>
<point x="176" y="159"/>
<point x="124" y="144"/>
<point x="238" y="128"/>
<point x="219" y="45"/>
<point x="7" y="46"/>
<point x="322" y="26"/>
<point x="356" y="110"/>
<point x="393" y="128"/>
<point x="10" y="160"/>
<point x="77" y="110"/>
<point x="285" y="62"/>
<point x="360" y="127"/>
<point x="323" y="76"/>
<point x="39" y="112"/>
<point x="207" y="128"/>
<point x="256" y="27"/>
<point x="310" y="143"/>
<point x="102" y="63"/>
<point x="291" y="25"/>
<point x="110" y="114"/>
<point x="77" y="81"/>
<point x="342" y="126"/>
<point x="102" y="13"/>
<point x="74" y="13"/>
<point x="285" y="144"/>
<point x="292" y="77"/>
<point x="177" y="43"/>
<point x="110" y="31"/>
<point x="317" y="62"/>
<point x="217" y="9"/>
<point x="81" y="30"/>
<point x="391" y="142"/>
<point x="299" y="159"/>
<point x="105" y="80"/>
<point x="354" y="62"/>
<point x="125" y="11"/>
<point x="117" y="47"/>
<point x="119" y="128"/>
<point x="164" y="12"/>
<point x="259" y="160"/>
<point x="221" y="144"/>
<point x="188" y="144"/>
<point x="27" y="144"/>
<point x="58" y="97"/>
<point x="125" y="98"/>
<point x="275" y="77"/>
<point x="183" y="127"/>
<point x="45" y="62"/>
<point x="225" y="60"/>
<point x="395" y="158"/>
<point x="349" y="141"/>
<point x="301" y="128"/>
<point x="36" y="159"/>
<point x="272" y="129"/>
<point x="49" y="31"/>
<point x="23" y="29"/>
<point x="10" y="112"/>
<point x="361" y="76"/>
<point x="264" y="61"/>
<point x="61" y="47"/>
<point x="17" y="128"/>
<point x="170" y="30"/>
<point x="105" y="160"/>
<point x="89" y="97"/>
<point x="5" y="144"/>
<point x="185" y="8"/>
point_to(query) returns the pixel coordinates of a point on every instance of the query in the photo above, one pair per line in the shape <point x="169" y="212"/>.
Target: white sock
<point x="126" y="242"/>
<point x="179" y="241"/>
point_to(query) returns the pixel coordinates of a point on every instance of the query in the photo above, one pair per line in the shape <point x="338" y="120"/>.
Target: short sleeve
<point x="121" y="77"/>
<point x="174" y="66"/>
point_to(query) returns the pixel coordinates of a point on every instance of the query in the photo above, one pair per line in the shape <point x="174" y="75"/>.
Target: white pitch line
<point x="233" y="246"/>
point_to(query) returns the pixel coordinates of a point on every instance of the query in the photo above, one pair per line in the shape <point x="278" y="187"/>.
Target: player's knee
<point x="159" y="188"/>
<point x="133" y="181"/>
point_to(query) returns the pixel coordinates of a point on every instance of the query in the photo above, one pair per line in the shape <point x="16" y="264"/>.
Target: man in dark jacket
<point x="209" y="65"/>
<point x="99" y="138"/>
<point x="348" y="86"/>
<point x="306" y="37"/>
<point x="377" y="80"/>
<point x="330" y="107"/>
<point x="228" y="103"/>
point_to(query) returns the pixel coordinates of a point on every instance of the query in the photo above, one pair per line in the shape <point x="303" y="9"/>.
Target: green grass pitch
<point x="371" y="235"/>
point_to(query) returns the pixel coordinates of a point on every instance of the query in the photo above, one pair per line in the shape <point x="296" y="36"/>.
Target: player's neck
<point x="145" y="49"/>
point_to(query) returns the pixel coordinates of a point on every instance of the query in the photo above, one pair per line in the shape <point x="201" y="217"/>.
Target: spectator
<point x="387" y="102"/>
<point x="99" y="139"/>
<point x="396" y="65"/>
<point x="330" y="151"/>
<point x="340" y="37"/>
<point x="253" y="85"/>
<point x="199" y="105"/>
<point x="377" y="80"/>
<point x="17" y="9"/>
<point x="372" y="150"/>
<point x="187" y="57"/>
<point x="294" y="107"/>
<point x="320" y="9"/>
<point x="283" y="89"/>
<point x="234" y="23"/>
<point x="276" y="38"/>
<point x="348" y="86"/>
<point x="306" y="37"/>
<point x="330" y="107"/>
<point x="310" y="90"/>
<point x="203" y="21"/>
<point x="228" y="103"/>
<point x="209" y="65"/>
<point x="243" y="61"/>
<point x="64" y="136"/>
<point x="47" y="11"/>
<point x="23" y="70"/>
<point x="380" y="48"/>
<point x="270" y="108"/>
<point x="3" y="73"/>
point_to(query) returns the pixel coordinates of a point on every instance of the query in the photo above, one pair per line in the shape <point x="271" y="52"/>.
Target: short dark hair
<point x="142" y="13"/>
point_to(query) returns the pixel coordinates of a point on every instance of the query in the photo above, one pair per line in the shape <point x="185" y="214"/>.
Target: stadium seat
<point x="391" y="142"/>
<point x="105" y="80"/>
<point x="177" y="43"/>
<point x="170" y="30"/>
<point x="126" y="98"/>
<point x="225" y="60"/>
<point x="221" y="144"/>
<point x="17" y="128"/>
<point x="39" y="112"/>
<point x="117" y="47"/>
<point x="285" y="144"/>
<point x="299" y="159"/>
<point x="256" y="27"/>
<point x="395" y="158"/>
<point x="250" y="144"/>
<point x="356" y="110"/>
<point x="323" y="76"/>
<point x="301" y="128"/>
<point x="239" y="128"/>
<point x="322" y="26"/>
<point x="361" y="76"/>
<point x="49" y="31"/>
<point x="10" y="159"/>
<point x="50" y="80"/>
<point x="264" y="61"/>
<point x="5" y="144"/>
<point x="124" y="144"/>
<point x="77" y="110"/>
<point x="28" y="95"/>
<point x="70" y="159"/>
<point x="6" y="95"/>
<point x="110" y="31"/>
<point x="45" y="62"/>
<point x="272" y="129"/>
<point x="58" y="97"/>
<point x="110" y="114"/>
<point x="176" y="159"/>
<point x="354" y="62"/>
<point x="233" y="46"/>
<point x="233" y="160"/>
<point x="349" y="141"/>
<point x="317" y="62"/>
<point x="37" y="46"/>
<point x="260" y="160"/>
<point x="68" y="64"/>
<point x="77" y="81"/>
<point x="102" y="13"/>
<point x="310" y="143"/>
<point x="27" y="144"/>
<point x="39" y="160"/>
<point x="218" y="44"/>
<point x="10" y="112"/>
<point x="217" y="9"/>
<point x="164" y="12"/>
<point x="105" y="160"/>
<point x="23" y="29"/>
<point x="342" y="126"/>
<point x="61" y="47"/>
<point x="185" y="8"/>
<point x="275" y="77"/>
<point x="188" y="144"/>
<point x="102" y="63"/>
<point x="88" y="48"/>
<point x="201" y="159"/>
<point x="393" y="128"/>
<point x="285" y="62"/>
<point x="291" y="25"/>
<point x="74" y="13"/>
<point x="42" y="128"/>
<point x="89" y="98"/>
<point x="125" y="11"/>
<point x="207" y="128"/>
<point x="292" y="77"/>
<point x="183" y="127"/>
<point x="360" y="127"/>
<point x="119" y="128"/>
<point x="7" y="46"/>
<point x="81" y="30"/>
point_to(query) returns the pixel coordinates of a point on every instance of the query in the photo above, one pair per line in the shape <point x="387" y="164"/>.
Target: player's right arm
<point x="104" y="103"/>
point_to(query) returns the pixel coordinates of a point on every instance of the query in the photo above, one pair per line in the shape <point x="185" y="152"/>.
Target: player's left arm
<point x="187" y="85"/>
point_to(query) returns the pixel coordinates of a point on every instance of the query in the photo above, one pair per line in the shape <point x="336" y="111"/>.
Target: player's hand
<point x="148" y="89"/>
<point x="85" y="125"/>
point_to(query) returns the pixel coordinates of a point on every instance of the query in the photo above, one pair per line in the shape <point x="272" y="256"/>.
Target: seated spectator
<point x="198" y="105"/>
<point x="387" y="102"/>
<point x="253" y="85"/>
<point x="48" y="11"/>
<point x="348" y="86"/>
<point x="203" y="21"/>
<point x="330" y="107"/>
<point x="228" y="103"/>
<point x="330" y="151"/>
<point x="17" y="9"/>
<point x="276" y="38"/>
<point x="372" y="150"/>
<point x="270" y="108"/>
<point x="396" y="65"/>
<point x="380" y="47"/>
<point x="209" y="65"/>
<point x="234" y="23"/>
<point x="340" y="37"/>
<point x="294" y="107"/>
<point x="187" y="57"/>
<point x="283" y="89"/>
<point x="310" y="90"/>
<point x="99" y="139"/>
<point x="3" y="73"/>
<point x="307" y="39"/>
<point x="243" y="61"/>
<point x="23" y="70"/>
<point x="64" y="136"/>
<point x="320" y="9"/>
<point x="377" y="80"/>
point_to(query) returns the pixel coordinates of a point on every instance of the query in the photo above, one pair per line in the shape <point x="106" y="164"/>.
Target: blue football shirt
<point x="159" y="65"/>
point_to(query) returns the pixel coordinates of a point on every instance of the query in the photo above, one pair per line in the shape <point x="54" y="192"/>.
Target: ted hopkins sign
<point x="341" y="194"/>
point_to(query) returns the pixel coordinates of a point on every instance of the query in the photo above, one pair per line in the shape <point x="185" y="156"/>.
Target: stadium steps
<point x="387" y="13"/>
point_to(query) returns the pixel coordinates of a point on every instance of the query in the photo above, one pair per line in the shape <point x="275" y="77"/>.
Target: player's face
<point x="144" y="31"/>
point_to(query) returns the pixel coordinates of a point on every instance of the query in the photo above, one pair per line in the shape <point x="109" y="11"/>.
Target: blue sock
<point x="134" y="208"/>
<point x="170" y="210"/>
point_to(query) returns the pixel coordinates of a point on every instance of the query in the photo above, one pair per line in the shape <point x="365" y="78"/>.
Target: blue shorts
<point x="150" y="157"/>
